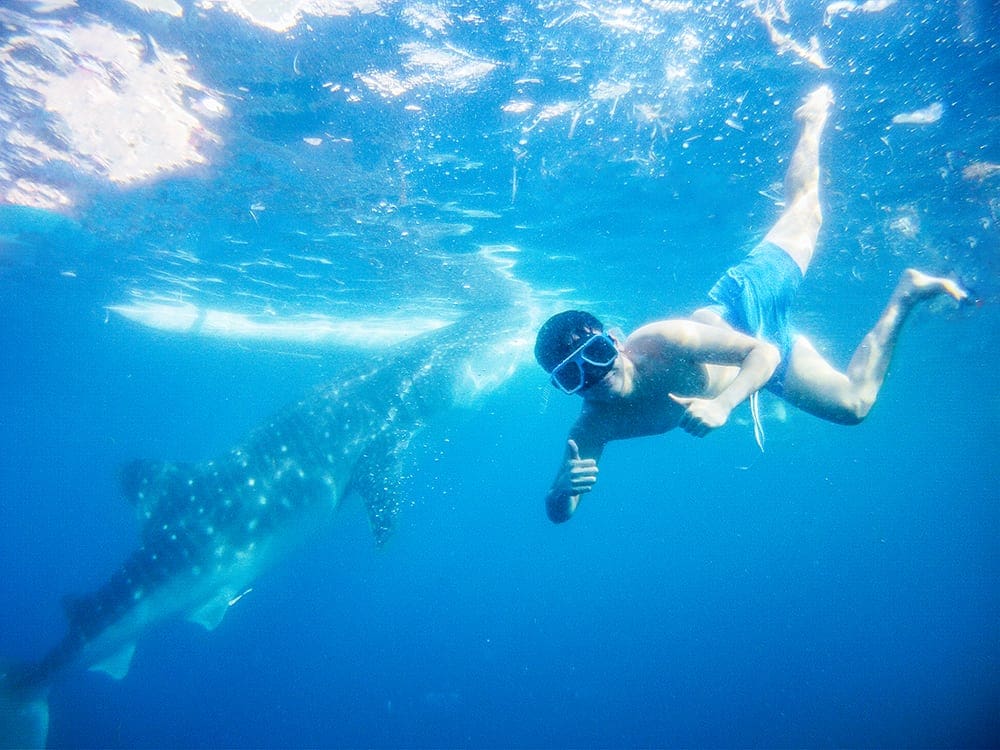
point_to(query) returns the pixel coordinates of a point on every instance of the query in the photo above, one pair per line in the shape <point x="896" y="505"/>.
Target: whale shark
<point x="209" y="529"/>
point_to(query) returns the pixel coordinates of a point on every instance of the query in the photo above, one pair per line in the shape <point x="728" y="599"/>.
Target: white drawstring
<point x="758" y="428"/>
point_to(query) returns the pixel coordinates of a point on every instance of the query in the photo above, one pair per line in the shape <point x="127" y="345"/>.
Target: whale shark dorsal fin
<point x="118" y="664"/>
<point x="211" y="614"/>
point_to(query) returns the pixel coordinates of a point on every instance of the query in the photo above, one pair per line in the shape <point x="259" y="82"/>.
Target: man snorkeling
<point x="692" y="372"/>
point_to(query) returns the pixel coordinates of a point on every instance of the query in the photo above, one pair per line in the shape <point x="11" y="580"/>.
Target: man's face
<point x="611" y="384"/>
<point x="593" y="356"/>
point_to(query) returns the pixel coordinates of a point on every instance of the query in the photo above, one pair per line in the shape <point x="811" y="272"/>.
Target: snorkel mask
<point x="586" y="365"/>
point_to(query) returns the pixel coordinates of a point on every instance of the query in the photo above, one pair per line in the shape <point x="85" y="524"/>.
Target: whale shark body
<point x="208" y="530"/>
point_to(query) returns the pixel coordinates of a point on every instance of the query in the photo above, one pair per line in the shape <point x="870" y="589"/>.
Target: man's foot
<point x="915" y="286"/>
<point x="816" y="106"/>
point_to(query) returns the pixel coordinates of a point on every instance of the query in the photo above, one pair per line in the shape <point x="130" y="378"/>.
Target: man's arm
<point x="755" y="358"/>
<point x="577" y="476"/>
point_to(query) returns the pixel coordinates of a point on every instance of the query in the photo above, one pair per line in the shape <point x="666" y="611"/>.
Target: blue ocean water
<point x="348" y="163"/>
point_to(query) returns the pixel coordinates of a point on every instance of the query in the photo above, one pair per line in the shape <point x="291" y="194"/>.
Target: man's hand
<point x="701" y="415"/>
<point x="578" y="475"/>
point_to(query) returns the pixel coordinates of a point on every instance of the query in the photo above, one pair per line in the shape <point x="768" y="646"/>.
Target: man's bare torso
<point x="635" y="402"/>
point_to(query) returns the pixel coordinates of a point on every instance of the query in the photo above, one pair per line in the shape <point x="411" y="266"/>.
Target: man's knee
<point x="854" y="409"/>
<point x="812" y="385"/>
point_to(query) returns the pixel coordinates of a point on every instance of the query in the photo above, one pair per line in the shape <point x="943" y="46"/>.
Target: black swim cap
<point x="561" y="334"/>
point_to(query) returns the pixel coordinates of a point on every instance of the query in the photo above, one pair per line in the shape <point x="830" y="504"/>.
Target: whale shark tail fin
<point x="24" y="712"/>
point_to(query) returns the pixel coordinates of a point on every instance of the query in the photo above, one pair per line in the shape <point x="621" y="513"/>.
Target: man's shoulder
<point x="663" y="332"/>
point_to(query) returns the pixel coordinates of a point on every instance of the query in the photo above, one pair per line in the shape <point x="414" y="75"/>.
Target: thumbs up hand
<point x="578" y="475"/>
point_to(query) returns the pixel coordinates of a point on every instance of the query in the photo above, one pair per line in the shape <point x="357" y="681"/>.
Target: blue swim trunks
<point x="754" y="297"/>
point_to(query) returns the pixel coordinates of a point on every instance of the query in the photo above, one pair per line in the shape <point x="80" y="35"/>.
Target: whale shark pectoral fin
<point x="211" y="615"/>
<point x="377" y="478"/>
<point x="382" y="511"/>
<point x="378" y="484"/>
<point x="118" y="664"/>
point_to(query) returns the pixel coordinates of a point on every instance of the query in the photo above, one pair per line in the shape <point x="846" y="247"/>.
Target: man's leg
<point x="797" y="228"/>
<point x="813" y="385"/>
